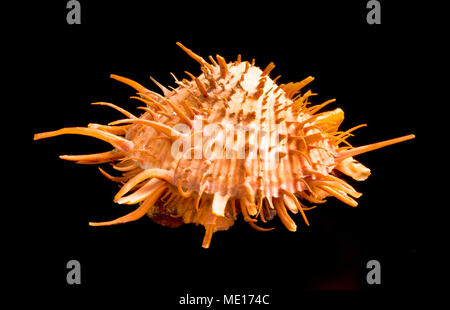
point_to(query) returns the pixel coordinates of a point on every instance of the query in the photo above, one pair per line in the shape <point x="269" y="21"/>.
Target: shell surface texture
<point x="227" y="143"/>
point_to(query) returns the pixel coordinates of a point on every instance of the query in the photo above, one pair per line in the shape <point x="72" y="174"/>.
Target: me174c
<point x="245" y="299"/>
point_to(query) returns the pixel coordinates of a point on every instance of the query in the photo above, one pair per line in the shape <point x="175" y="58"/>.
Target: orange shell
<point x="228" y="142"/>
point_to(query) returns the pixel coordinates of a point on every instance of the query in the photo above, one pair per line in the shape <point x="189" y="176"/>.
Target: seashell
<point x="228" y="142"/>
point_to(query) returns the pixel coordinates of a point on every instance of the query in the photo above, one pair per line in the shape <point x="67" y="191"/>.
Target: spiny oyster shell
<point x="228" y="142"/>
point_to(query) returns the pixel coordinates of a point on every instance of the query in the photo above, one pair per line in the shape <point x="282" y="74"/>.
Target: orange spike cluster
<point x="290" y="152"/>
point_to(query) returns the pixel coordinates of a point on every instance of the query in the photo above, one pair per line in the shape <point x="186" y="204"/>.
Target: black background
<point x="374" y="72"/>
